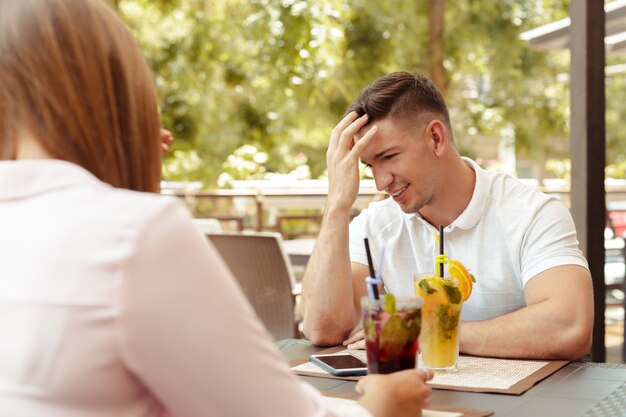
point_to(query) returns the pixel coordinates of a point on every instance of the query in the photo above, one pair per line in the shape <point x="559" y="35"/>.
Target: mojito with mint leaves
<point x="440" y="330"/>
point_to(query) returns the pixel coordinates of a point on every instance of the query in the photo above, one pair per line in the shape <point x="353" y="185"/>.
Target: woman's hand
<point x="166" y="140"/>
<point x="400" y="394"/>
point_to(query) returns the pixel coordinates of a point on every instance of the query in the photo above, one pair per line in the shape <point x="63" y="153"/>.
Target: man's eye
<point x="390" y="156"/>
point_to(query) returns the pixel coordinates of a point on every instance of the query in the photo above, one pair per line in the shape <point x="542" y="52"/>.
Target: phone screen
<point x="340" y="364"/>
<point x="342" y="361"/>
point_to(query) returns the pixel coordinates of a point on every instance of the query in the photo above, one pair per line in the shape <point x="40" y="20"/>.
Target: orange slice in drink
<point x="463" y="278"/>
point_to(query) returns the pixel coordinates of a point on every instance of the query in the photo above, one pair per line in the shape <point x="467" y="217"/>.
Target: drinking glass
<point x="392" y="328"/>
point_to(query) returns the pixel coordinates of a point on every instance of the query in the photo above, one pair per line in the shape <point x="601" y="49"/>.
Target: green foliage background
<point x="278" y="74"/>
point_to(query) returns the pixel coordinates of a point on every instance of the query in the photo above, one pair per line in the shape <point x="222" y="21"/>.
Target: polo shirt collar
<point x="470" y="216"/>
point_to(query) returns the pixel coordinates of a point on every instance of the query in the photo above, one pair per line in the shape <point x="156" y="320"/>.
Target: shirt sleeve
<point x="355" y="237"/>
<point x="550" y="241"/>
<point x="188" y="333"/>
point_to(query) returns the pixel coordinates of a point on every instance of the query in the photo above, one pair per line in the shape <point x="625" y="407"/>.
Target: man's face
<point x="403" y="163"/>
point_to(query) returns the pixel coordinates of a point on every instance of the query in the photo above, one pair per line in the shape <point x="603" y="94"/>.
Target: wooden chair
<point x="260" y="265"/>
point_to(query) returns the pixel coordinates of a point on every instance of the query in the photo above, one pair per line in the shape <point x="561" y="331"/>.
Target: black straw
<point x="371" y="265"/>
<point x="441" y="249"/>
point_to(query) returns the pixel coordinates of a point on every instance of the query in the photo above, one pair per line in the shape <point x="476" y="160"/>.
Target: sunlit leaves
<point x="278" y="74"/>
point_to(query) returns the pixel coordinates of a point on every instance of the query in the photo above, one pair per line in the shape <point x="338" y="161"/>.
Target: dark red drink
<point x="391" y="333"/>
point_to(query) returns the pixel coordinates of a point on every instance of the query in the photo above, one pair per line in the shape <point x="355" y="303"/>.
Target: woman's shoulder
<point x="128" y="214"/>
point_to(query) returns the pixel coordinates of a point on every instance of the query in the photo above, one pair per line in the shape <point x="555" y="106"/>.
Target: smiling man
<point x="533" y="295"/>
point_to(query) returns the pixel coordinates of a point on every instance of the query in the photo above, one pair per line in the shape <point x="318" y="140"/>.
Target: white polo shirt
<point x="509" y="233"/>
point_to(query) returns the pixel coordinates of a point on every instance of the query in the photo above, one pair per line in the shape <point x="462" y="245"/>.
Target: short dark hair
<point x="404" y="96"/>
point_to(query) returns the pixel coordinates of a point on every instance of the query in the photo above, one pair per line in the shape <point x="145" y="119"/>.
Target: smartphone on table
<point x="340" y="364"/>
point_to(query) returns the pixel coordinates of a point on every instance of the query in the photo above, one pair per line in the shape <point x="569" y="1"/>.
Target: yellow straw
<point x="436" y="235"/>
<point x="440" y="259"/>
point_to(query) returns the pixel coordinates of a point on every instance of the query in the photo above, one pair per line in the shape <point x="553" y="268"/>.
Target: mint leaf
<point x="454" y="294"/>
<point x="447" y="322"/>
<point x="423" y="284"/>
<point x="394" y="335"/>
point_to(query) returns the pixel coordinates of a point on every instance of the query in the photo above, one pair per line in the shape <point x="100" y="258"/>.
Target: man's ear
<point x="438" y="134"/>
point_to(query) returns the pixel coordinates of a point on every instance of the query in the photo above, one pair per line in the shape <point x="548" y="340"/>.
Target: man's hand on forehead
<point x="362" y="131"/>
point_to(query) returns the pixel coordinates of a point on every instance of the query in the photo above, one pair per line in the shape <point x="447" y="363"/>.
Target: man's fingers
<point x="358" y="328"/>
<point x="346" y="140"/>
<point x="347" y="120"/>
<point x="360" y="345"/>
<point x="358" y="335"/>
<point x="341" y="126"/>
<point x="361" y="143"/>
<point x="356" y="340"/>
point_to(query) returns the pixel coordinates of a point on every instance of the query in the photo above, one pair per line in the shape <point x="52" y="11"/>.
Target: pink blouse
<point x="113" y="304"/>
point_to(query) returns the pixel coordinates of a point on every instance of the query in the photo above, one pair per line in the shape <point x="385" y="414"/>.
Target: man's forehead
<point x="388" y="128"/>
<point x="377" y="146"/>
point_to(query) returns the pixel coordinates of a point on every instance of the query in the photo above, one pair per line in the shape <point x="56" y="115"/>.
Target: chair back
<point x="260" y="265"/>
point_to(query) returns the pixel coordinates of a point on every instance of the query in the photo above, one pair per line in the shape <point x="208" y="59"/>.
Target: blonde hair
<point x="73" y="77"/>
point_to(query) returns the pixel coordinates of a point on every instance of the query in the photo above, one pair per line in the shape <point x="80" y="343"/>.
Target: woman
<point x="111" y="303"/>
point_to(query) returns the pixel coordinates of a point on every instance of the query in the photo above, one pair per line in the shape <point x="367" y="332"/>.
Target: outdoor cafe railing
<point x="266" y="205"/>
<point x="269" y="204"/>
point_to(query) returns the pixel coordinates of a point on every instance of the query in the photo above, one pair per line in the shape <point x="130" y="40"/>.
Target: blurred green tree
<point x="278" y="74"/>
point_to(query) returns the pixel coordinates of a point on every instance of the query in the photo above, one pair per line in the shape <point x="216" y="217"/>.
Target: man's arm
<point x="329" y="303"/>
<point x="556" y="323"/>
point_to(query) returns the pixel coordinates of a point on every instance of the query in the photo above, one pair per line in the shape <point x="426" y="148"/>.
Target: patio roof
<point x="555" y="35"/>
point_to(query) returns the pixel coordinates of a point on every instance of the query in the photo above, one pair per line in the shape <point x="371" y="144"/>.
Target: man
<point x="533" y="295"/>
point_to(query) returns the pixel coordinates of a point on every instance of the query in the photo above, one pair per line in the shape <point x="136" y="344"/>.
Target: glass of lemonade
<point x="392" y="328"/>
<point x="441" y="311"/>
